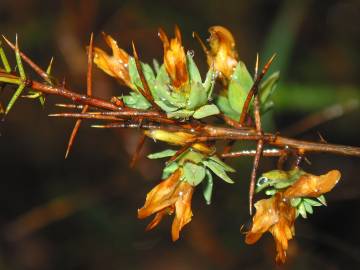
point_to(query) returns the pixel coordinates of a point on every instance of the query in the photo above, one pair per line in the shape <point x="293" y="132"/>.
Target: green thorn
<point x="18" y="61"/>
<point x="14" y="97"/>
<point x="4" y="59"/>
<point x="10" y="80"/>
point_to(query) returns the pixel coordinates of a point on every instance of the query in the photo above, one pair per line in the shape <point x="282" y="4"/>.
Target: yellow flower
<point x="174" y="58"/>
<point x="115" y="65"/>
<point x="276" y="216"/>
<point x="177" y="138"/>
<point x="171" y="195"/>
<point x="222" y="54"/>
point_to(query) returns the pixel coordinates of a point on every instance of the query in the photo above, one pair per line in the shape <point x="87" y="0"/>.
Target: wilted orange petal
<point x="183" y="211"/>
<point x="160" y="196"/>
<point x="174" y="58"/>
<point x="277" y="216"/>
<point x="115" y="65"/>
<point x="266" y="216"/>
<point x="284" y="229"/>
<point x="158" y="217"/>
<point x="310" y="185"/>
<point x="222" y="53"/>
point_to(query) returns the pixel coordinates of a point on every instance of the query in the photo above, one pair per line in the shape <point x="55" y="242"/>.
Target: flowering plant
<point x="172" y="103"/>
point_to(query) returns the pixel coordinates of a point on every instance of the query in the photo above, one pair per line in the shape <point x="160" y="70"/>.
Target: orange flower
<point x="276" y="216"/>
<point x="309" y="185"/>
<point x="174" y="58"/>
<point x="169" y="196"/>
<point x="222" y="54"/>
<point x="115" y="65"/>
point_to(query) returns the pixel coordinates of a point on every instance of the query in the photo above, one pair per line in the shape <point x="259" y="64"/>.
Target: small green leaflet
<point x="208" y="187"/>
<point x="205" y="111"/>
<point x="223" y="164"/>
<point x="218" y="170"/>
<point x="240" y="84"/>
<point x="193" y="174"/>
<point x="168" y="170"/>
<point x="162" y="154"/>
<point x="197" y="97"/>
<point x="223" y="104"/>
<point x="192" y="69"/>
<point x="268" y="86"/>
<point x="136" y="101"/>
<point x="135" y="77"/>
<point x="180" y="114"/>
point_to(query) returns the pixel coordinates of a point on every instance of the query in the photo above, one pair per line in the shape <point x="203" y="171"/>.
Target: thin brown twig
<point x="145" y="91"/>
<point x="139" y="146"/>
<point x="225" y="133"/>
<point x="88" y="92"/>
<point x="253" y="89"/>
<point x="250" y="153"/>
<point x="182" y="150"/>
<point x="27" y="60"/>
<point x="260" y="143"/>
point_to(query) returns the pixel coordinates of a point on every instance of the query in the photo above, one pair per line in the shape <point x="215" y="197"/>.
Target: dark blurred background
<point x="80" y="213"/>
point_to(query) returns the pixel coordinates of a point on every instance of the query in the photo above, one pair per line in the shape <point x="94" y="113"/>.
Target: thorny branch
<point x="211" y="132"/>
<point x="121" y="116"/>
<point x="193" y="133"/>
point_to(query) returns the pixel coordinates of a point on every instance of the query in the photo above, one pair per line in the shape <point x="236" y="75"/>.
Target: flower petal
<point x="310" y="185"/>
<point x="158" y="217"/>
<point x="160" y="196"/>
<point x="277" y="216"/>
<point x="174" y="58"/>
<point x="115" y="65"/>
<point x="183" y="211"/>
<point x="266" y="216"/>
<point x="222" y="53"/>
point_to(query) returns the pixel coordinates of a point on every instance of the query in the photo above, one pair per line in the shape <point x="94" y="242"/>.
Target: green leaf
<point x="206" y="110"/>
<point x="218" y="170"/>
<point x="295" y="202"/>
<point x="162" y="76"/>
<point x="302" y="211"/>
<point x="240" y="84"/>
<point x="191" y="155"/>
<point x="137" y="101"/>
<point x="268" y="86"/>
<point x="166" y="106"/>
<point x="197" y="97"/>
<point x="270" y="192"/>
<point x="209" y="82"/>
<point x="162" y="154"/>
<point x="308" y="207"/>
<point x="194" y="174"/>
<point x="193" y="70"/>
<point x="322" y="199"/>
<point x="208" y="187"/>
<point x="162" y="93"/>
<point x="223" y="104"/>
<point x="226" y="167"/>
<point x="180" y="114"/>
<point x="312" y="202"/>
<point x="135" y="77"/>
<point x="156" y="66"/>
<point x="169" y="169"/>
